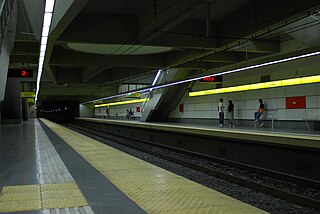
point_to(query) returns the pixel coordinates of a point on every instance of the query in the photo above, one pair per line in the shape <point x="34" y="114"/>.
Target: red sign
<point x="138" y="109"/>
<point x="295" y="102"/>
<point x="217" y="78"/>
<point x="20" y="73"/>
<point x="181" y="107"/>
<point x="24" y="73"/>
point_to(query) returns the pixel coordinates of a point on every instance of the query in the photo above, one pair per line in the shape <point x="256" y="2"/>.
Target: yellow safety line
<point x="152" y="188"/>
<point x="40" y="197"/>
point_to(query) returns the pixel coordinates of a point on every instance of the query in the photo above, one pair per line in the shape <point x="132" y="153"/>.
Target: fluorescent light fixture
<point x="45" y="31"/>
<point x="156" y="78"/>
<point x="41" y="58"/>
<point x="212" y="75"/>
<point x="49" y="6"/>
<point x="255" y="86"/>
<point x="47" y="19"/>
<point x="43" y="48"/>
<point x="44" y="40"/>
<point x="122" y="102"/>
<point x="42" y="54"/>
<point x="40" y="65"/>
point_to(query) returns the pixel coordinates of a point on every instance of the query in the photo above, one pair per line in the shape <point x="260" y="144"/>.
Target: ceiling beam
<point x="166" y="15"/>
<point x="62" y="17"/>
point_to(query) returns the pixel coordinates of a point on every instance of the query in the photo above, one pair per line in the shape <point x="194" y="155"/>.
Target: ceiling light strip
<point x="122" y="103"/>
<point x="264" y="85"/>
<point x="221" y="73"/>
<point x="49" y="5"/>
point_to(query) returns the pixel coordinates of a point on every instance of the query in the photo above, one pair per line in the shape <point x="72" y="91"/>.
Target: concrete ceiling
<point x="97" y="45"/>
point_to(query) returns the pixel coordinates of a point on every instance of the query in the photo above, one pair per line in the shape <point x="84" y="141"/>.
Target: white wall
<point x="246" y="102"/>
<point x="120" y="110"/>
<point x="86" y="110"/>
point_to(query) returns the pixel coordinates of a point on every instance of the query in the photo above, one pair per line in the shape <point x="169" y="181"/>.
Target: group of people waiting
<point x="257" y="114"/>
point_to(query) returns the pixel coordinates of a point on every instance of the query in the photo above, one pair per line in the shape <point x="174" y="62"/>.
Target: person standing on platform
<point x="259" y="112"/>
<point x="221" y="113"/>
<point x="127" y="115"/>
<point x="231" y="113"/>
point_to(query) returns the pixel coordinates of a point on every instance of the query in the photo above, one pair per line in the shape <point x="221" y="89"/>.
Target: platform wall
<point x="118" y="112"/>
<point x="246" y="102"/>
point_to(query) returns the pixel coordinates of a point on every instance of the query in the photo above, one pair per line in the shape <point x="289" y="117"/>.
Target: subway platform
<point x="47" y="168"/>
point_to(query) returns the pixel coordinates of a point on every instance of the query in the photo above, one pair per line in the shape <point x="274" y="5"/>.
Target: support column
<point x="11" y="105"/>
<point x="86" y="110"/>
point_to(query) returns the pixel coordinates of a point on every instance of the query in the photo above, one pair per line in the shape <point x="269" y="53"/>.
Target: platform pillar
<point x="11" y="105"/>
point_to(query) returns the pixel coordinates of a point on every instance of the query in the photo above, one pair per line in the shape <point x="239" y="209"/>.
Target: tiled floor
<point x="152" y="188"/>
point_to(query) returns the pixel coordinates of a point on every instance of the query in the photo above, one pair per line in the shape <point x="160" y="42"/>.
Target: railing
<point x="271" y="113"/>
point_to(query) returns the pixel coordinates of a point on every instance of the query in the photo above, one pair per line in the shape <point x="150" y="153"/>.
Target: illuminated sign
<point x="272" y="84"/>
<point x="28" y="94"/>
<point x="133" y="95"/>
<point x="212" y="79"/>
<point x="22" y="73"/>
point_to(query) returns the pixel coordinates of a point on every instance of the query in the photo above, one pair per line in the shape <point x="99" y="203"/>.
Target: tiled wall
<point x="120" y="111"/>
<point x="246" y="103"/>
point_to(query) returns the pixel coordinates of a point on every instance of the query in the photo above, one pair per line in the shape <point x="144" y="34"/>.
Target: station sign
<point x="20" y="73"/>
<point x="133" y="95"/>
<point x="27" y="94"/>
<point x="217" y="79"/>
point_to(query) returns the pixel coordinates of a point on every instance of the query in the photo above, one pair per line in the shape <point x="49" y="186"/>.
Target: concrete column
<point x="32" y="110"/>
<point x="86" y="110"/>
<point x="24" y="106"/>
<point x="11" y="105"/>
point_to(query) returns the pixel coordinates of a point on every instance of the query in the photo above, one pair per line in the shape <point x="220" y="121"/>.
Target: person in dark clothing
<point x="231" y="113"/>
<point x="259" y="112"/>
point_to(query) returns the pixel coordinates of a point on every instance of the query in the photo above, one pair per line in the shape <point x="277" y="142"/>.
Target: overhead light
<point x="47" y="19"/>
<point x="43" y="48"/>
<point x="212" y="75"/>
<point x="42" y="53"/>
<point x="255" y="86"/>
<point x="122" y="102"/>
<point x="45" y="31"/>
<point x="49" y="6"/>
<point x="40" y="64"/>
<point x="156" y="78"/>
<point x="44" y="40"/>
<point x="234" y="70"/>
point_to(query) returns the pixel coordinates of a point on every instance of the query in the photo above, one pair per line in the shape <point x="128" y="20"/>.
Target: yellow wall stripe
<point x="122" y="103"/>
<point x="255" y="86"/>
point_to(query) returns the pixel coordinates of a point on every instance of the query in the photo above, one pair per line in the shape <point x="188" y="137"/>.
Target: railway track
<point x="258" y="185"/>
